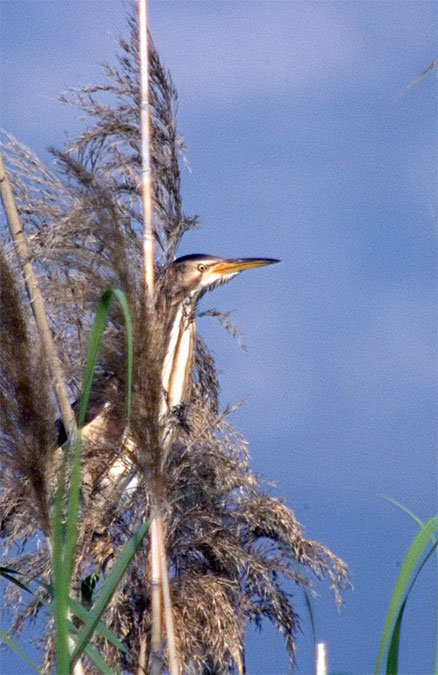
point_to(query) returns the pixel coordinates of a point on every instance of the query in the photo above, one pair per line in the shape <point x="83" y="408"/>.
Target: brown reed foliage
<point x="230" y="545"/>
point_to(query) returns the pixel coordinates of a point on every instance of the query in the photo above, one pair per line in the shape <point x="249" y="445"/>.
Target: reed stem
<point x="36" y="301"/>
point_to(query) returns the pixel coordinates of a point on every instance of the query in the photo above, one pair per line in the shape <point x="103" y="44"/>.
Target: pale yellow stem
<point x="146" y="144"/>
<point x="156" y="593"/>
<point x="142" y="659"/>
<point x="36" y="301"/>
<point x="159" y="571"/>
<point x="168" y="612"/>
<point x="321" y="661"/>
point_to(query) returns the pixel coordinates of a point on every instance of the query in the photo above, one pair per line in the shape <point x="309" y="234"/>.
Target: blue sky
<point x="303" y="144"/>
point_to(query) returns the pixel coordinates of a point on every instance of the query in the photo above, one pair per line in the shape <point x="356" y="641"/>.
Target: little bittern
<point x="189" y="278"/>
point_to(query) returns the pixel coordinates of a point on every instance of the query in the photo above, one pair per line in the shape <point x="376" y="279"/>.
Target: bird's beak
<point x="239" y="264"/>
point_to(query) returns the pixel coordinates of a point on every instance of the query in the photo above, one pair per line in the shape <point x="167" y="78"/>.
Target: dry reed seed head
<point x="229" y="544"/>
<point x="210" y="632"/>
<point x="26" y="407"/>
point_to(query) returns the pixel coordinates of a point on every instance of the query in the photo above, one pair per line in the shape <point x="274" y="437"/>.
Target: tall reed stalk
<point x="159" y="577"/>
<point x="230" y="545"/>
<point x="36" y="301"/>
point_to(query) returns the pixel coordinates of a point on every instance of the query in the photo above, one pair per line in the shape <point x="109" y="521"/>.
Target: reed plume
<point x="230" y="545"/>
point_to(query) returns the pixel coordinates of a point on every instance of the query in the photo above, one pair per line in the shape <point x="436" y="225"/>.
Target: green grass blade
<point x="89" y="650"/>
<point x="90" y="366"/>
<point x="103" y="630"/>
<point x="121" y="297"/>
<point x="64" y="548"/>
<point x="72" y="518"/>
<point x="418" y="520"/>
<point x="98" y="661"/>
<point x="60" y="579"/>
<point x="392" y="661"/>
<point x="109" y="586"/>
<point x="404" y="508"/>
<point x="411" y="585"/>
<point x="75" y="485"/>
<point x="13" y="645"/>
<point x="8" y="572"/>
<point x="81" y="613"/>
<point x="427" y="532"/>
<point x="93" y="352"/>
<point x="94" y="346"/>
<point x="310" y="611"/>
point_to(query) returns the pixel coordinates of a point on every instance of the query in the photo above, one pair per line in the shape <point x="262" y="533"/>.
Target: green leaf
<point x="81" y="613"/>
<point x="129" y="550"/>
<point x="392" y="662"/>
<point x="11" y="643"/>
<point x="395" y="636"/>
<point x="64" y="545"/>
<point x="310" y="611"/>
<point x="411" y="559"/>
<point x="98" y="661"/>
<point x="121" y="297"/>
<point x="404" y="508"/>
<point x="61" y="566"/>
<point x="94" y="346"/>
<point x="418" y="520"/>
<point x="7" y="572"/>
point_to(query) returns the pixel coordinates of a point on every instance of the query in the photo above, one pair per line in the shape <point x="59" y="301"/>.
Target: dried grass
<point x="230" y="545"/>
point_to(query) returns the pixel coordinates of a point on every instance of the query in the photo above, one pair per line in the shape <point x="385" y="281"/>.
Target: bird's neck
<point x="178" y="359"/>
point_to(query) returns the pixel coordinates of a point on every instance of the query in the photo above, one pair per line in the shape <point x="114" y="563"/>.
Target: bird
<point x="186" y="280"/>
<point x="189" y="278"/>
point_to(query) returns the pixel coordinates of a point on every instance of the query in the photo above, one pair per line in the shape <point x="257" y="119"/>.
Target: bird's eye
<point x="202" y="267"/>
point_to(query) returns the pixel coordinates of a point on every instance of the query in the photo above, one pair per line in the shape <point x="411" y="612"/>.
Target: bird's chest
<point x="178" y="360"/>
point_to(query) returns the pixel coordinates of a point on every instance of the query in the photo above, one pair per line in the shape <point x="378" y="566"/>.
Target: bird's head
<point x="198" y="273"/>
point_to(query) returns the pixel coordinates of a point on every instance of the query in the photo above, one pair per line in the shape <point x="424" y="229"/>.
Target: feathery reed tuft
<point x="230" y="545"/>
